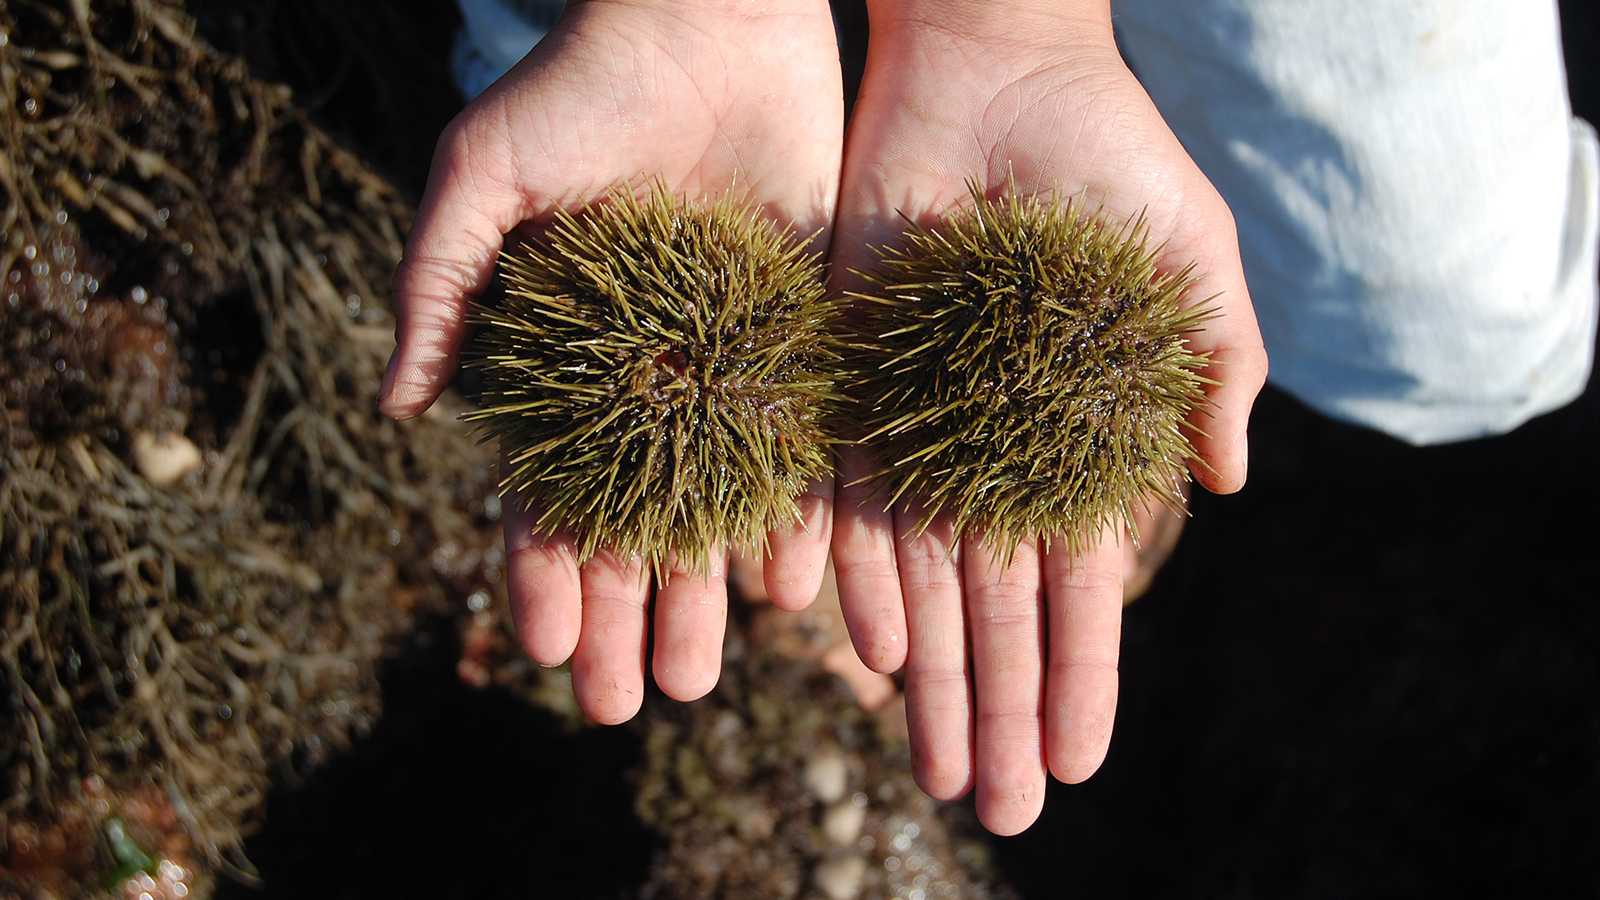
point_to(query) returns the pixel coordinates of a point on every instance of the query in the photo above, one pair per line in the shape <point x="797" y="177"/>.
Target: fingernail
<point x="387" y="386"/>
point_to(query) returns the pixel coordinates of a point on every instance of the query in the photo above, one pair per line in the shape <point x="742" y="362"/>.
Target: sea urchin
<point x="1024" y="368"/>
<point x="658" y="375"/>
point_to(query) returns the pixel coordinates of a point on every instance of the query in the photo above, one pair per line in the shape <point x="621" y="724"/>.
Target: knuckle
<point x="872" y="569"/>
<point x="1005" y="605"/>
<point x="699" y="607"/>
<point x="1017" y="719"/>
<point x="608" y="615"/>
<point x="1082" y="578"/>
<point x="939" y="688"/>
<point x="1099" y="664"/>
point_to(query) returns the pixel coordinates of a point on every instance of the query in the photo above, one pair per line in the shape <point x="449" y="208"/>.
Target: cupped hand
<point x="707" y="96"/>
<point x="1011" y="672"/>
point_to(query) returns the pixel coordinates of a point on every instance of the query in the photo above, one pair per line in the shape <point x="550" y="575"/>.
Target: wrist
<point x="724" y="9"/>
<point x="1007" y="25"/>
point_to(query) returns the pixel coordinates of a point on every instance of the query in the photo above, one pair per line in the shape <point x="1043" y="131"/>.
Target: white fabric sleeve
<point x="1418" y="211"/>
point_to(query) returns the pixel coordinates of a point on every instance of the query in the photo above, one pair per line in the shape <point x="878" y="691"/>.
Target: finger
<point x="691" y="617"/>
<point x="797" y="553"/>
<point x="1219" y="432"/>
<point x="1238" y="362"/>
<point x="608" y="664"/>
<point x="1004" y="611"/>
<point x="1084" y="602"/>
<point x="546" y="592"/>
<point x="864" y="565"/>
<point x="448" y="260"/>
<point x="938" y="689"/>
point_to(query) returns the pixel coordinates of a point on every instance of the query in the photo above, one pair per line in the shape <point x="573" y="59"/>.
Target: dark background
<point x="1374" y="672"/>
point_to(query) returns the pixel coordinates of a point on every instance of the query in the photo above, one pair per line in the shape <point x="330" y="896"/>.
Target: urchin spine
<point x="1025" y="370"/>
<point x="659" y="375"/>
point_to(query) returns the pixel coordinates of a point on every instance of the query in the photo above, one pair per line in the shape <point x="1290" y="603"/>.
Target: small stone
<point x="164" y="458"/>
<point x="842" y="822"/>
<point x="840" y="879"/>
<point x="756" y="822"/>
<point x="827" y="776"/>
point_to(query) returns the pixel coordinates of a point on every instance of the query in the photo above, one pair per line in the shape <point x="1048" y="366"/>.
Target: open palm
<point x="707" y="98"/>
<point x="1012" y="672"/>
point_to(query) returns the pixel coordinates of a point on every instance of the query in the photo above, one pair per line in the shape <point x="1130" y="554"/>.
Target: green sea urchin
<point x="1024" y="368"/>
<point x="658" y="375"/>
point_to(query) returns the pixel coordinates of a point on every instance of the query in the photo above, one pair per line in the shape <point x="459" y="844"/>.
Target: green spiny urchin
<point x="1024" y="368"/>
<point x="658" y="375"/>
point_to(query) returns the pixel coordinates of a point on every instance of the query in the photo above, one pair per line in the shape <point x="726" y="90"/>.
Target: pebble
<point x="827" y="776"/>
<point x="164" y="458"/>
<point x="840" y="879"/>
<point x="842" y="822"/>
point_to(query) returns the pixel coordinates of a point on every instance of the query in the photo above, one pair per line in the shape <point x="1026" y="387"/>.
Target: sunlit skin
<point x="1035" y="91"/>
<point x="709" y="94"/>
<point x="706" y="96"/>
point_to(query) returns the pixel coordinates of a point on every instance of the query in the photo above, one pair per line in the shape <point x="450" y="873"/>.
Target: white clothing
<point x="1418" y="211"/>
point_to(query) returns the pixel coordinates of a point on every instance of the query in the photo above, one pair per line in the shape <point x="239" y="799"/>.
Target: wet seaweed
<point x="187" y="262"/>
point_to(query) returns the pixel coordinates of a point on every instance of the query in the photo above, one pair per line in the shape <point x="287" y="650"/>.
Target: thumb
<point x="449" y="258"/>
